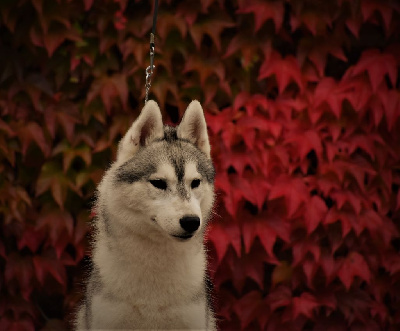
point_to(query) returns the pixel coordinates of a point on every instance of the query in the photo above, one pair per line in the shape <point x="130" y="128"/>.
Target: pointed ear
<point x="194" y="128"/>
<point x="147" y="127"/>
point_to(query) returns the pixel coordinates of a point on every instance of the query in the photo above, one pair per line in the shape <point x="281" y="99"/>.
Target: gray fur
<point x="105" y="220"/>
<point x="171" y="149"/>
<point x="94" y="287"/>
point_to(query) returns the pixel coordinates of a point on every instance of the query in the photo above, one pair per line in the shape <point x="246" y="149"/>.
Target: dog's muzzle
<point x="190" y="224"/>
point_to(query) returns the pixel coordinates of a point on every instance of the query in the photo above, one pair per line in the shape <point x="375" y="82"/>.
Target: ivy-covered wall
<point x="302" y="99"/>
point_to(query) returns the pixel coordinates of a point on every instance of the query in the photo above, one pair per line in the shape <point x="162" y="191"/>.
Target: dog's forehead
<point x="168" y="170"/>
<point x="170" y="155"/>
<point x="191" y="171"/>
<point x="164" y="170"/>
<point x="187" y="160"/>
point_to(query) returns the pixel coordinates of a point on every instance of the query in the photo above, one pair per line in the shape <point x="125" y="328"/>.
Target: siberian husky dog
<point x="153" y="204"/>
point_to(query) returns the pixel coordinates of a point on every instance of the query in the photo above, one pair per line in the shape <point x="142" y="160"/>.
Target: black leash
<point x="149" y="69"/>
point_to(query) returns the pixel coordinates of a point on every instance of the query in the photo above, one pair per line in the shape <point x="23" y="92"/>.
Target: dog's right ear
<point x="145" y="129"/>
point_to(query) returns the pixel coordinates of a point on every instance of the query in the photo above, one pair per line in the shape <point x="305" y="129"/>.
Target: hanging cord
<point x="149" y="69"/>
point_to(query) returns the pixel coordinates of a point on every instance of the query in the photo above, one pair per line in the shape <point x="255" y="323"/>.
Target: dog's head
<point x="164" y="175"/>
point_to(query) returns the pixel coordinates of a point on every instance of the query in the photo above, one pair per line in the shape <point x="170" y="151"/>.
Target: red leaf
<point x="278" y="297"/>
<point x="234" y="236"/>
<point x="119" y="82"/>
<point x="53" y="39"/>
<point x="357" y="91"/>
<point x="205" y="67"/>
<point x="377" y="65"/>
<point x="314" y="213"/>
<point x="247" y="189"/>
<point x="50" y="120"/>
<point x="258" y="228"/>
<point x="260" y="123"/>
<point x="52" y="178"/>
<point x="247" y="45"/>
<point x="234" y="191"/>
<point x="33" y="132"/>
<point x="330" y="323"/>
<point x="220" y="237"/>
<point x="24" y="323"/>
<point x="304" y="304"/>
<point x="372" y="221"/>
<point x="354" y="303"/>
<point x="67" y="121"/>
<point x="391" y="105"/>
<point x="217" y="122"/>
<point x="38" y="4"/>
<point x="259" y="188"/>
<point x="364" y="142"/>
<point x="46" y="265"/>
<point x="162" y="87"/>
<point x="354" y="25"/>
<point x="88" y="4"/>
<point x="263" y="11"/>
<point x="168" y="22"/>
<point x="368" y="9"/>
<point x="20" y="269"/>
<point x="286" y="105"/>
<point x="102" y="144"/>
<point x="348" y="221"/>
<point x="107" y="88"/>
<point x="81" y="227"/>
<point x="319" y="54"/>
<point x="31" y="238"/>
<point x="36" y="37"/>
<point x="229" y="134"/>
<point x="391" y="262"/>
<point x="253" y="268"/>
<point x="119" y="20"/>
<point x="188" y="11"/>
<point x="222" y="182"/>
<point x="6" y="128"/>
<point x="354" y="265"/>
<point x="8" y="20"/>
<point x="211" y="27"/>
<point x="293" y="190"/>
<point x="331" y="93"/>
<point x="237" y="160"/>
<point x="251" y="103"/>
<point x="60" y="227"/>
<point x="356" y="168"/>
<point x="59" y="191"/>
<point x="310" y="269"/>
<point x="342" y="197"/>
<point x="301" y="249"/>
<point x="249" y="307"/>
<point x="307" y="141"/>
<point x="284" y="69"/>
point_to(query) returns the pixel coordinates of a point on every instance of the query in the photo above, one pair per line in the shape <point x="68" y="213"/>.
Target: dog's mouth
<point x="183" y="237"/>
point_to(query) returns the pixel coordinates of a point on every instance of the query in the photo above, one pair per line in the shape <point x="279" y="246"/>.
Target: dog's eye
<point x="195" y="183"/>
<point x="159" y="183"/>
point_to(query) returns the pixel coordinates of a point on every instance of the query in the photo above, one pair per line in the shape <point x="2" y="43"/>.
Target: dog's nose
<point x="190" y="223"/>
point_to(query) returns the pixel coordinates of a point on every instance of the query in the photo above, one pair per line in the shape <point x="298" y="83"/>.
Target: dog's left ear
<point x="193" y="127"/>
<point x="147" y="127"/>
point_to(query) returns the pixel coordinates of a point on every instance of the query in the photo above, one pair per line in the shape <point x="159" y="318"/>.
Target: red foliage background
<point x="303" y="102"/>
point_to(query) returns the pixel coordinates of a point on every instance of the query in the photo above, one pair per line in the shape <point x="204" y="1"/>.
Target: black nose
<point x="190" y="223"/>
